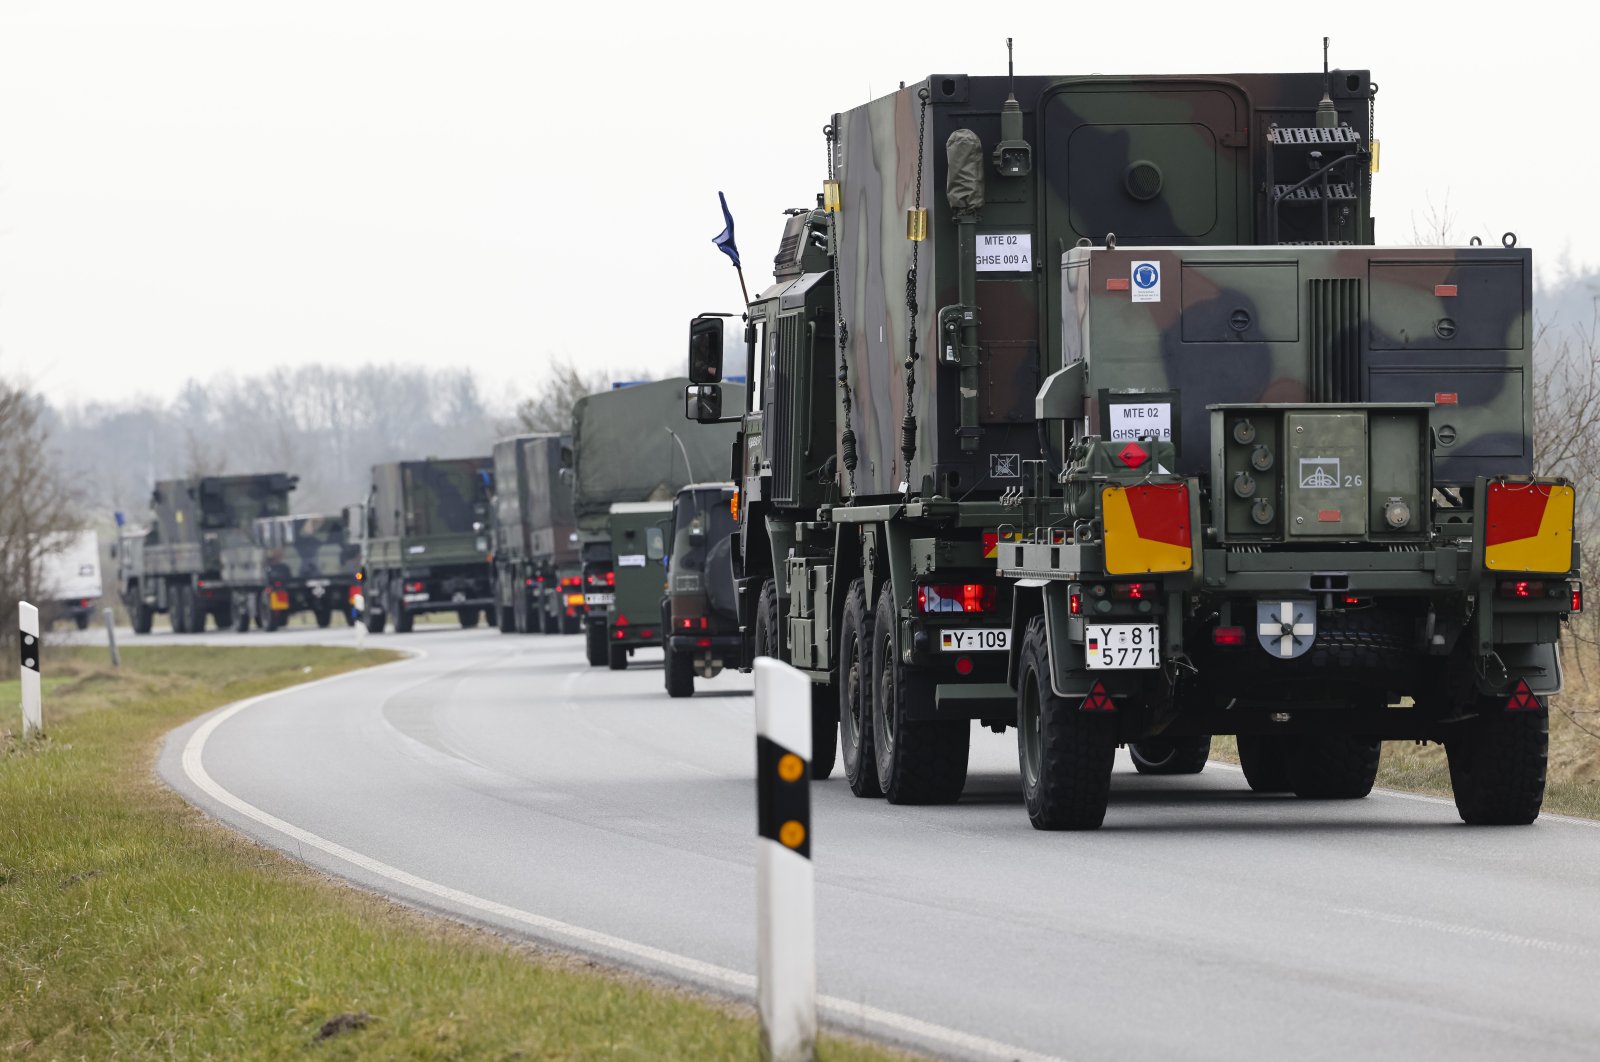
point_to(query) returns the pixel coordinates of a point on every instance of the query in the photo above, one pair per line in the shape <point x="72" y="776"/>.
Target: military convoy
<point x="639" y="533"/>
<point x="536" y="567"/>
<point x="175" y="565"/>
<point x="1086" y="405"/>
<point x="614" y="460"/>
<point x="426" y="547"/>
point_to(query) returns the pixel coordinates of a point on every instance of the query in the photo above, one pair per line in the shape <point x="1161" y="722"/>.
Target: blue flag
<point x="725" y="242"/>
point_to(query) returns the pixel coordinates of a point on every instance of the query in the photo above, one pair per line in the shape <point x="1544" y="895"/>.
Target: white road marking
<point x="857" y="1013"/>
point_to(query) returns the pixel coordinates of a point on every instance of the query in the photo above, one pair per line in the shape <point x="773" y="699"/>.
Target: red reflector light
<point x="1522" y="699"/>
<point x="1577" y="598"/>
<point x="702" y="643"/>
<point x="622" y="633"/>
<point x="1446" y="398"/>
<point x="529" y="582"/>
<point x="1227" y="636"/>
<point x="1117" y="283"/>
<point x="414" y="588"/>
<point x="1075" y="604"/>
<point x="611" y="578"/>
<point x="963" y="665"/>
<point x="1328" y="516"/>
<point x="1444" y="291"/>
<point x="957" y="597"/>
<point x="647" y="634"/>
<point x="621" y="621"/>
<point x="1349" y="601"/>
<point x="1098" y="700"/>
<point x="1523" y="589"/>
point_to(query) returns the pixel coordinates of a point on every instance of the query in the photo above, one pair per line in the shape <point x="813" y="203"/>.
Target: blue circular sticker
<point x="1146" y="275"/>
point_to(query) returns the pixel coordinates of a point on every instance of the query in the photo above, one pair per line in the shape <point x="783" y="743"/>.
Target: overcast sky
<point x="194" y="187"/>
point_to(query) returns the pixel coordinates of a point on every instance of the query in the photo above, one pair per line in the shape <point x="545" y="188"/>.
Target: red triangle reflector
<point x="1098" y="700"/>
<point x="1523" y="699"/>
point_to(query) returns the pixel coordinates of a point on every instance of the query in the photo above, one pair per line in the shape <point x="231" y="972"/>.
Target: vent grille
<point x="1335" y="340"/>
<point x="780" y="437"/>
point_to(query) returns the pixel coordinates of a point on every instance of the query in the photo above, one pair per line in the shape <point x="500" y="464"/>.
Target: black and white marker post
<point x="28" y="639"/>
<point x="786" y="906"/>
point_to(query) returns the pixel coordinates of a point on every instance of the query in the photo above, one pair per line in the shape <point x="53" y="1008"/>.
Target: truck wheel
<point x="594" y="644"/>
<point x="1265" y="760"/>
<point x="1497" y="765"/>
<point x="1333" y="768"/>
<point x="141" y="616"/>
<point x="178" y="609"/>
<point x="1186" y="755"/>
<point x="679" y="674"/>
<point x="374" y="618"/>
<point x="196" y="613"/>
<point x="468" y="617"/>
<point x="616" y="657"/>
<point x="824" y="730"/>
<point x="1066" y="753"/>
<point x="919" y="761"/>
<point x="397" y="607"/>
<point x="82" y="620"/>
<point x="855" y="695"/>
<point x="323" y="615"/>
<point x="769" y="639"/>
<point x="513" y="618"/>
<point x="241" y="614"/>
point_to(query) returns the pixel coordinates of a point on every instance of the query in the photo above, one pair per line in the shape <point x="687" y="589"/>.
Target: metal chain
<point x="908" y="426"/>
<point x="847" y="439"/>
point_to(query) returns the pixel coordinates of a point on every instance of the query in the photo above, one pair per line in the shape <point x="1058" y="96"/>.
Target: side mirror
<point x="703" y="403"/>
<point x="705" y="350"/>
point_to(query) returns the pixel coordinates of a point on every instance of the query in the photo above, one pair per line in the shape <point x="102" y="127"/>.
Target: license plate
<point x="279" y="600"/>
<point x="987" y="640"/>
<point x="1122" y="646"/>
<point x="598" y="599"/>
<point x="412" y="599"/>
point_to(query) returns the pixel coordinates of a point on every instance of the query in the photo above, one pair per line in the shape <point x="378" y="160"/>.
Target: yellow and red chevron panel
<point x="1528" y="527"/>
<point x="1147" y="528"/>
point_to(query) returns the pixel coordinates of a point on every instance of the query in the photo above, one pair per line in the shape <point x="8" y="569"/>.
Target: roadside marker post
<point x="786" y="903"/>
<point x="111" y="636"/>
<point x="28" y="639"/>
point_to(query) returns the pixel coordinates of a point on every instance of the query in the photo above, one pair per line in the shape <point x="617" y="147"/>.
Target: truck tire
<point x="82" y="620"/>
<point x="323" y="616"/>
<point x="141" y="616"/>
<point x="468" y="618"/>
<point x="513" y="619"/>
<point x="374" y="618"/>
<point x="824" y="730"/>
<point x="594" y="644"/>
<point x="769" y="635"/>
<point x="1265" y="760"/>
<point x="1065" y="753"/>
<point x="919" y="761"/>
<point x="679" y="673"/>
<point x="241" y="614"/>
<point x="397" y="607"/>
<point x="1497" y="765"/>
<point x="855" y="694"/>
<point x="1185" y="755"/>
<point x="196" y="621"/>
<point x="178" y="609"/>
<point x="616" y="658"/>
<point x="1336" y="767"/>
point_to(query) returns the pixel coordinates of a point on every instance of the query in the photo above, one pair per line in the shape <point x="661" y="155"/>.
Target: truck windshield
<point x="705" y="511"/>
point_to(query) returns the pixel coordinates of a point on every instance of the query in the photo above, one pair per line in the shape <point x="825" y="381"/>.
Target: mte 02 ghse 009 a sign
<point x="1005" y="252"/>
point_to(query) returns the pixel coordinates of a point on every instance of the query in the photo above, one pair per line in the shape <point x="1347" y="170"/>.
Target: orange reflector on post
<point x="1147" y="528"/>
<point x="1529" y="527"/>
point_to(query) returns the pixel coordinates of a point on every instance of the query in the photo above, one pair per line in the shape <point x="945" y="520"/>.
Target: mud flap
<point x="1068" y="676"/>
<point x="1538" y="664"/>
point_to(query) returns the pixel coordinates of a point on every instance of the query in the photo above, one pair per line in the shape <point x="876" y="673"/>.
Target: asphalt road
<point x="499" y="778"/>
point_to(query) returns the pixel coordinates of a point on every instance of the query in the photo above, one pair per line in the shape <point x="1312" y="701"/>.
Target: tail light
<point x="1229" y="636"/>
<point x="574" y="599"/>
<point x="963" y="665"/>
<point x="689" y="623"/>
<point x="1532" y="589"/>
<point x="1577" y="597"/>
<point x="702" y="643"/>
<point x="1075" y="604"/>
<point x="414" y="588"/>
<point x="611" y="578"/>
<point x="957" y="597"/>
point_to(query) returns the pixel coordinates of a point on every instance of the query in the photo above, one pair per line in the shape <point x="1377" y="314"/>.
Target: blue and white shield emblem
<point x="1286" y="628"/>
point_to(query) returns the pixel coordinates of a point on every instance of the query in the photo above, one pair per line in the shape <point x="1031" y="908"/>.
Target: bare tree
<point x="35" y="503"/>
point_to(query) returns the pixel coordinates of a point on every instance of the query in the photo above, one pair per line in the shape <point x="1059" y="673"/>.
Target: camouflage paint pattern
<point x="194" y="520"/>
<point x="424" y="512"/>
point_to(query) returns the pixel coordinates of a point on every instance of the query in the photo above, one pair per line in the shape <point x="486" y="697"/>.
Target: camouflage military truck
<point x="303" y="563"/>
<point x="426" y="546"/>
<point x="1139" y="439"/>
<point x="537" y="571"/>
<point x="176" y="565"/>
<point x="701" y="613"/>
<point x="639" y="535"/>
<point x="630" y="445"/>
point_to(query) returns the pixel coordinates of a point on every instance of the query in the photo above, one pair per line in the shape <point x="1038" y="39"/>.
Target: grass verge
<point x="134" y="927"/>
